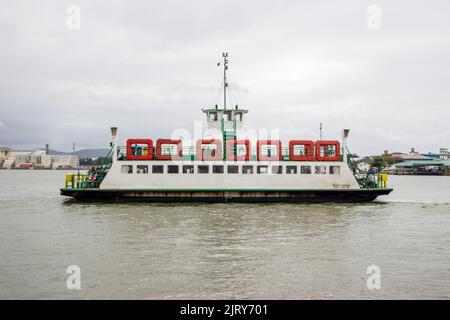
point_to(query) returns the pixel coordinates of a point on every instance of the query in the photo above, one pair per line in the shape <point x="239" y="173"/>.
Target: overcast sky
<point x="150" y="66"/>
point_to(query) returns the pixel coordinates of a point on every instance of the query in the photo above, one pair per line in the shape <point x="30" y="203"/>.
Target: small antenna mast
<point x="320" y="128"/>
<point x="225" y="83"/>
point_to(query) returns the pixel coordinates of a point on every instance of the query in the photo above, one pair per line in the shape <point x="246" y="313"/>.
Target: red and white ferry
<point x="227" y="169"/>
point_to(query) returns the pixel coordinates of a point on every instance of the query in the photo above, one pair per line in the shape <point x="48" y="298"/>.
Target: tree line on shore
<point x="380" y="162"/>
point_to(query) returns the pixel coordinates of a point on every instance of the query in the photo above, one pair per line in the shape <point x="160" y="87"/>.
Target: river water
<point x="223" y="251"/>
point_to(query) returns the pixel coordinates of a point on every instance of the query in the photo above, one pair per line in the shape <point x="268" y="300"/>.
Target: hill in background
<point x="91" y="153"/>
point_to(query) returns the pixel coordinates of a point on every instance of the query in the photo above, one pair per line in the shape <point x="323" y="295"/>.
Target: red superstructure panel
<point x="218" y="151"/>
<point x="148" y="156"/>
<point x="261" y="157"/>
<point x="160" y="156"/>
<point x="309" y="150"/>
<point x="325" y="144"/>
<point x="231" y="143"/>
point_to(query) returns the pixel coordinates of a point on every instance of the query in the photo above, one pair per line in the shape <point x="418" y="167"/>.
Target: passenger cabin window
<point x="335" y="170"/>
<point x="233" y="169"/>
<point x="213" y="116"/>
<point x="208" y="150"/>
<point x="277" y="169"/>
<point x="173" y="169"/>
<point x="217" y="169"/>
<point x="139" y="149"/>
<point x="157" y="169"/>
<point x="291" y="169"/>
<point x="141" y="169"/>
<point x="127" y="169"/>
<point x="299" y="150"/>
<point x="247" y="169"/>
<point x="329" y="151"/>
<point x="241" y="150"/>
<point x="269" y="150"/>
<point x="305" y="169"/>
<point x="169" y="149"/>
<point x="263" y="169"/>
<point x="188" y="169"/>
<point x="203" y="169"/>
<point x="321" y="170"/>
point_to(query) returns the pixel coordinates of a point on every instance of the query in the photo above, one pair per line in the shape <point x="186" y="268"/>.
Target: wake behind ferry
<point x="227" y="168"/>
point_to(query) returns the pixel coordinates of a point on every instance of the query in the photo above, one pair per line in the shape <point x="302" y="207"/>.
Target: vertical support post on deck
<point x="345" y="133"/>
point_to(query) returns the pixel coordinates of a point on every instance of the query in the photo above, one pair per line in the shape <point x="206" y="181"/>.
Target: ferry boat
<point x="227" y="168"/>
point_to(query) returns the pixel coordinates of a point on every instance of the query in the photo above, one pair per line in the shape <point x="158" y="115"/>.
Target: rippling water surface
<point x="222" y="251"/>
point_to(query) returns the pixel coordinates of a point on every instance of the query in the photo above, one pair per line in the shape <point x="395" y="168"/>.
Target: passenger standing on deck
<point x="371" y="177"/>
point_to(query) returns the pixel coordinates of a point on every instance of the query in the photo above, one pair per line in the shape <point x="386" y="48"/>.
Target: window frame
<point x="288" y="167"/>
<point x="173" y="166"/>
<point x="278" y="167"/>
<point x="130" y="166"/>
<point x="302" y="171"/>
<point x="143" y="166"/>
<point x="186" y="167"/>
<point x="320" y="169"/>
<point x="332" y="168"/>
<point x="259" y="167"/>
<point x="218" y="166"/>
<point x="203" y="166"/>
<point x="232" y="166"/>
<point x="251" y="167"/>
<point x="154" y="166"/>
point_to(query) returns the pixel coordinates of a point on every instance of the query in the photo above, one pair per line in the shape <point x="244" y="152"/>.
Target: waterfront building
<point x="64" y="161"/>
<point x="420" y="167"/>
<point x="444" y="154"/>
<point x="413" y="156"/>
<point x="432" y="155"/>
<point x="36" y="159"/>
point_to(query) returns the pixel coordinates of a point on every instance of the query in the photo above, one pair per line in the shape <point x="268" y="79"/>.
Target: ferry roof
<point x="227" y="109"/>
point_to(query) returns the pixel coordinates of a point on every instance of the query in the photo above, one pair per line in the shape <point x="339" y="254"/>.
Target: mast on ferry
<point x="225" y="83"/>
<point x="227" y="120"/>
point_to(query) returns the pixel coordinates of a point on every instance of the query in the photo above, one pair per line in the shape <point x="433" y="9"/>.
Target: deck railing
<point x="372" y="181"/>
<point x="75" y="180"/>
<point x="82" y="181"/>
<point x="189" y="153"/>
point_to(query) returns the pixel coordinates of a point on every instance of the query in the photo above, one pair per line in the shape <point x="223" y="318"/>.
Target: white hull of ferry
<point x="228" y="187"/>
<point x="119" y="179"/>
